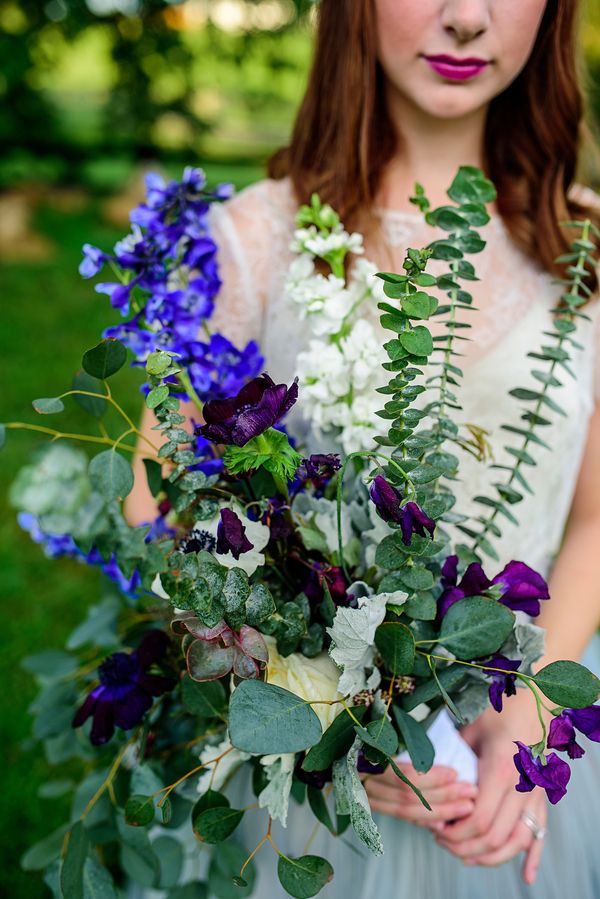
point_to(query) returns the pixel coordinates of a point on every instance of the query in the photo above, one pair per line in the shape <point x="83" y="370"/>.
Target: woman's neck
<point x="430" y="151"/>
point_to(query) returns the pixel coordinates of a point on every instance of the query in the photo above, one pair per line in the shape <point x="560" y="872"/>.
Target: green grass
<point x="49" y="317"/>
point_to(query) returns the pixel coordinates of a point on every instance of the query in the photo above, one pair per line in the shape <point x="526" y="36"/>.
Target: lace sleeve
<point x="252" y="232"/>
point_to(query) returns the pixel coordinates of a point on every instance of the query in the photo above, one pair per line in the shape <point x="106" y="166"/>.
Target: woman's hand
<point x="494" y="832"/>
<point x="449" y="798"/>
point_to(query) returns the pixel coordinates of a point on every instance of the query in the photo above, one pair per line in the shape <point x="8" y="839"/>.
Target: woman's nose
<point x="466" y="19"/>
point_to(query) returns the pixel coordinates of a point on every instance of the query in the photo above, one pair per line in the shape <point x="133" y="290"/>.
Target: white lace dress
<point x="513" y="299"/>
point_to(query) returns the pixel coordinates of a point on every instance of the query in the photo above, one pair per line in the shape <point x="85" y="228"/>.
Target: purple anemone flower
<point x="231" y="535"/>
<point x="522" y="587"/>
<point x="126" y="689"/>
<point x="502" y="683"/>
<point x="553" y="775"/>
<point x="259" y="405"/>
<point x="563" y="727"/>
<point x="320" y="466"/>
<point x="322" y="574"/>
<point x="411" y="518"/>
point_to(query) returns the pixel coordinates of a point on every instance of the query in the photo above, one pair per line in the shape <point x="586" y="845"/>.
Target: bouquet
<point x="289" y="620"/>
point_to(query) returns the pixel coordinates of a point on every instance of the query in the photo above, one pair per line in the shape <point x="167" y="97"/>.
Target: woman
<point x="404" y="91"/>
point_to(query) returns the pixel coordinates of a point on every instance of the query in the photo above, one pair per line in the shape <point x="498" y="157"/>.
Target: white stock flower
<point x="364" y="280"/>
<point x="325" y="301"/>
<point x="323" y="372"/>
<point x="308" y="240"/>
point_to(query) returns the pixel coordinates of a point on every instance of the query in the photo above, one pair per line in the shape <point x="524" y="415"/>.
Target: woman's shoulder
<point x="585" y="196"/>
<point x="268" y="204"/>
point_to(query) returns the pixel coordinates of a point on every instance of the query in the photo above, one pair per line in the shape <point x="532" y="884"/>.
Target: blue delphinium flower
<point x="553" y="774"/>
<point x="126" y="690"/>
<point x="170" y="281"/>
<point x="562" y="729"/>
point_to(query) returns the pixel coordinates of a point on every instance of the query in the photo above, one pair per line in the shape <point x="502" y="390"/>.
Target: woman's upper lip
<point x="455" y="61"/>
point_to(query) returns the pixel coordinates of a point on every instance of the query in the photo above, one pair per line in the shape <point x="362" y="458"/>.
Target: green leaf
<point x="379" y="734"/>
<point x="316" y="800"/>
<point x="48" y="405"/>
<point x="305" y="876"/>
<point x="267" y="719"/>
<point x="42" y="853"/>
<point x="417" y="341"/>
<point x="216" y="824"/>
<point x="226" y="863"/>
<point x="568" y="684"/>
<point x="2" y="436"/>
<point x="396" y="644"/>
<point x="206" y="699"/>
<point x="93" y="405"/>
<point x="97" y="881"/>
<point x="416" y="305"/>
<point x="71" y="872"/>
<point x="399" y="773"/>
<point x="153" y="475"/>
<point x="419" y="746"/>
<point x="169" y="852"/>
<point x="476" y="627"/>
<point x="139" y="810"/>
<point x="105" y="359"/>
<point x="471" y="186"/>
<point x="335" y="742"/>
<point x="421" y="606"/>
<point x="158" y="363"/>
<point x="260" y="605"/>
<point x="111" y="474"/>
<point x="157" y="396"/>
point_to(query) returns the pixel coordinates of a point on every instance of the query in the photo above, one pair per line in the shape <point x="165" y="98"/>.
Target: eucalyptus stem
<point x="60" y="435"/>
<point x="574" y="292"/>
<point x="184" y="380"/>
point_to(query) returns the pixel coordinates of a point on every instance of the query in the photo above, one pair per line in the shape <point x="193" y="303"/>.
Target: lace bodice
<point x="512" y="301"/>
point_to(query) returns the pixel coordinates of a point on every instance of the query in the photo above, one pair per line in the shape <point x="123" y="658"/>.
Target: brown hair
<point x="343" y="135"/>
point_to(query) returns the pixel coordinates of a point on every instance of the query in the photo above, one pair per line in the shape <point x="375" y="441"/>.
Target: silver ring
<point x="530" y="821"/>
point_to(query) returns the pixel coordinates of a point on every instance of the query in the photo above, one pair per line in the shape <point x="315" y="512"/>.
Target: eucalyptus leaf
<point x="105" y="359"/>
<point x="111" y="475"/>
<point x="305" y="876"/>
<point x="48" y="405"/>
<point x="267" y="719"/>
<point x="71" y="872"/>
<point x="475" y="627"/>
<point x="419" y="746"/>
<point x="568" y="684"/>
<point x="396" y="644"/>
<point x="93" y="405"/>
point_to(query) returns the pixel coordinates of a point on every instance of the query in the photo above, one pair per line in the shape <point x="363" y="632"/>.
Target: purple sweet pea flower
<point x="563" y="727"/>
<point x="364" y="766"/>
<point x="322" y="574"/>
<point x="126" y="689"/>
<point x="411" y="518"/>
<point x="259" y="405"/>
<point x="553" y="776"/>
<point x="502" y="683"/>
<point x="386" y="498"/>
<point x="473" y="583"/>
<point x="231" y="535"/>
<point x="522" y="588"/>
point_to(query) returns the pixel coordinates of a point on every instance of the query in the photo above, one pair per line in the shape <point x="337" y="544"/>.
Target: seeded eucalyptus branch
<point x="555" y="355"/>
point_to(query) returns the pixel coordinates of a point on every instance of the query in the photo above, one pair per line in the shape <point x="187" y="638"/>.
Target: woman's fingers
<point x="434" y="795"/>
<point x="418" y="814"/>
<point x="520" y="840"/>
<point x="495" y="837"/>
<point x="532" y="861"/>
<point x="496" y="780"/>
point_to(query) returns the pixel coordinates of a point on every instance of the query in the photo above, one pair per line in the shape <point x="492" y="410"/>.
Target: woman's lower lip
<point x="456" y="72"/>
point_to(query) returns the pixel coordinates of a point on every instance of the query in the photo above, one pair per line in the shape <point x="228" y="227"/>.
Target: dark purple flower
<point x="563" y="727"/>
<point x="320" y="466"/>
<point x="231" y="535"/>
<point x="92" y="262"/>
<point x="331" y="575"/>
<point x="258" y="406"/>
<point x="553" y="775"/>
<point x="316" y="779"/>
<point x="473" y="583"/>
<point x="364" y="766"/>
<point x="276" y="518"/>
<point x="522" y="588"/>
<point x="502" y="683"/>
<point x="386" y="498"/>
<point x="411" y="518"/>
<point x="126" y="689"/>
